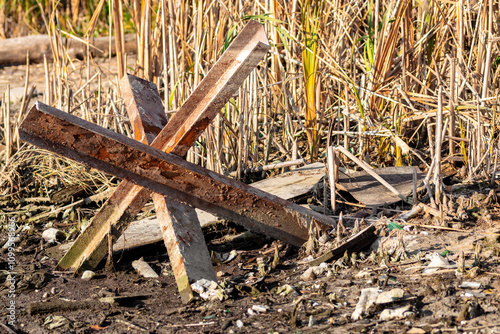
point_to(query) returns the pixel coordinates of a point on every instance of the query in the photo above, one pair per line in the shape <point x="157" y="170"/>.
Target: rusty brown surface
<point x="223" y="80"/>
<point x="144" y="108"/>
<point x="179" y="222"/>
<point x="169" y="175"/>
<point x="192" y="118"/>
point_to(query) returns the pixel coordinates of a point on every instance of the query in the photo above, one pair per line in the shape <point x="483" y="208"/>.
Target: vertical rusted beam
<point x="179" y="222"/>
<point x="190" y="120"/>
<point x="169" y="175"/>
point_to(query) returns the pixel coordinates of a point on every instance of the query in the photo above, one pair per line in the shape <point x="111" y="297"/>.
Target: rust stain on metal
<point x="135" y="163"/>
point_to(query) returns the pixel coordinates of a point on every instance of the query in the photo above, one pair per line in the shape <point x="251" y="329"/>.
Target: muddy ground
<point x="268" y="286"/>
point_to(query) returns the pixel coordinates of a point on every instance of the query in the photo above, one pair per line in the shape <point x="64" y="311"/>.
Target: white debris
<point x="437" y="261"/>
<point x="260" y="308"/>
<point x="144" y="269"/>
<point x="88" y="275"/>
<point x="389" y="296"/>
<point x="206" y="289"/>
<point x="363" y="274"/>
<point x="399" y="313"/>
<point x="52" y="235"/>
<point x="367" y="299"/>
<point x="470" y="285"/>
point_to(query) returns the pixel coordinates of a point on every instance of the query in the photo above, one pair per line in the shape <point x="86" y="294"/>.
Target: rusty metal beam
<point x="169" y="175"/>
<point x="191" y="119"/>
<point x="179" y="222"/>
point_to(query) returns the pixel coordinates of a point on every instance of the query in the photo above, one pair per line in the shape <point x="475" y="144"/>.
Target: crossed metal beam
<point x="177" y="185"/>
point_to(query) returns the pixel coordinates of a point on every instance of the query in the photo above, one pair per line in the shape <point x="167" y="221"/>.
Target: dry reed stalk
<point x="439" y="137"/>
<point x="332" y="175"/>
<point x="6" y="125"/>
<point x="119" y="37"/>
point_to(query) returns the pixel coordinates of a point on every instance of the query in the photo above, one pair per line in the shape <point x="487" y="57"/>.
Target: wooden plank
<point x="170" y="175"/>
<point x="368" y="169"/>
<point x="298" y="182"/>
<point x="364" y="188"/>
<point x="176" y="137"/>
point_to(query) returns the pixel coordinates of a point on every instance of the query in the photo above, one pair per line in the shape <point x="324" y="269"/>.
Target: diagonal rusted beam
<point x="179" y="222"/>
<point x="169" y="175"/>
<point x="178" y="135"/>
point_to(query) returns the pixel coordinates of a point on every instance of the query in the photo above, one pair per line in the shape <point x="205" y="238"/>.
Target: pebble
<point x="312" y="272"/>
<point x="239" y="323"/>
<point x="52" y="235"/>
<point x="260" y="308"/>
<point x="88" y="275"/>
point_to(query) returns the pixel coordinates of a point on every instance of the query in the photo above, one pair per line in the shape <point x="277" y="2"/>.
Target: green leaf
<point x="264" y="17"/>
<point x="393" y="226"/>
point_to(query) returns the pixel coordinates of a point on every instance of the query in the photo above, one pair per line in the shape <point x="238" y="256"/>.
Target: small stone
<point x="399" y="313"/>
<point x="312" y="272"/>
<point x="308" y="275"/>
<point x="144" y="269"/>
<point x="311" y="321"/>
<point x="239" y="323"/>
<point x="260" y="308"/>
<point x="53" y="235"/>
<point x="88" y="275"/>
<point x="389" y="296"/>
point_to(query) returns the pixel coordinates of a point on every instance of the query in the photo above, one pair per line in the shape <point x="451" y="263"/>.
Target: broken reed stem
<point x="493" y="174"/>
<point x="439" y="130"/>
<point x="332" y="177"/>
<point x="6" y="120"/>
<point x="451" y="105"/>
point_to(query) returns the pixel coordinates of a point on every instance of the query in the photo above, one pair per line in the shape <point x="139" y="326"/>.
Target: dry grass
<point x="378" y="70"/>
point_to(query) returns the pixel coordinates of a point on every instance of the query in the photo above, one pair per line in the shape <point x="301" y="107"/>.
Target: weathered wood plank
<point x="367" y="190"/>
<point x="292" y="184"/>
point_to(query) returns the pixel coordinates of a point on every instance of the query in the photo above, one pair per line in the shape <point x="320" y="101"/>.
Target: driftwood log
<point x="13" y="50"/>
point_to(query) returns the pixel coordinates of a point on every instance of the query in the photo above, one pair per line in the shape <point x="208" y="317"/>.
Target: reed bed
<point x="395" y="82"/>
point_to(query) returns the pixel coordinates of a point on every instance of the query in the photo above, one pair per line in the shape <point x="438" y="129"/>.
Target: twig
<point x="131" y="325"/>
<point x="192" y="325"/>
<point x="370" y="171"/>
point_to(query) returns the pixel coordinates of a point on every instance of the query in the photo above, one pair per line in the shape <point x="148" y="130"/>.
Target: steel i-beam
<point x="244" y="53"/>
<point x="170" y="175"/>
